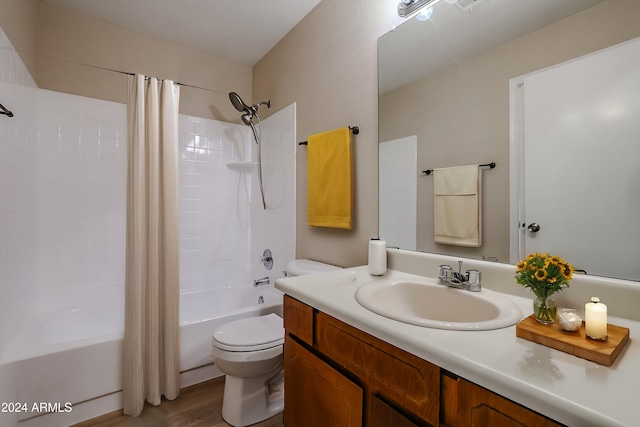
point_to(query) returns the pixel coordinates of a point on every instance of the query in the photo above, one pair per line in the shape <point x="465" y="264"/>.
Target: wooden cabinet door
<point x="316" y="395"/>
<point x="480" y="407"/>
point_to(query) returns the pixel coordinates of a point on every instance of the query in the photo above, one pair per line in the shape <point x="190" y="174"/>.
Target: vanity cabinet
<point x="338" y="375"/>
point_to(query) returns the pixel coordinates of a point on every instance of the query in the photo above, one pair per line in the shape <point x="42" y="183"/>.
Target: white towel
<point x="457" y="206"/>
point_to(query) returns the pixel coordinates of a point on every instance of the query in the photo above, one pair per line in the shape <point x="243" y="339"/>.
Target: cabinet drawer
<point x="298" y="319"/>
<point x="399" y="377"/>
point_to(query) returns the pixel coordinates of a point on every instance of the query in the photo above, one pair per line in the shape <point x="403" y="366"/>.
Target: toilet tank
<point x="301" y="267"/>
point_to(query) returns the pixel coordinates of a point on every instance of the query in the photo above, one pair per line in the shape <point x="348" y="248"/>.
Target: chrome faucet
<point x="470" y="281"/>
<point x="259" y="282"/>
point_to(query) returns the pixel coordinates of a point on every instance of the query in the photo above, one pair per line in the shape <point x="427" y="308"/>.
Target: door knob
<point x="533" y="227"/>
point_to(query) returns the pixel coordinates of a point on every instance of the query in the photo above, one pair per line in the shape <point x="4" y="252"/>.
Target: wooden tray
<point x="576" y="343"/>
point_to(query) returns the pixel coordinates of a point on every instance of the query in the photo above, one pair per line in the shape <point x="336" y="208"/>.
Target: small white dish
<point x="569" y="320"/>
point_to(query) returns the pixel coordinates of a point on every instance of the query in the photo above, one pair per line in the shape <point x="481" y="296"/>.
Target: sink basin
<point x="437" y="306"/>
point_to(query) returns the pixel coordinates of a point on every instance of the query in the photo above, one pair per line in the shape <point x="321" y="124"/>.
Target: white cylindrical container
<point x="377" y="257"/>
<point x="595" y="319"/>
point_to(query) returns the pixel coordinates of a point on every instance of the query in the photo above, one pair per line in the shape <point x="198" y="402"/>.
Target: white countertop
<point x="564" y="387"/>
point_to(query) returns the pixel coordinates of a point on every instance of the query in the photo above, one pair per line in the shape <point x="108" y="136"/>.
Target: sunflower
<point x="541" y="274"/>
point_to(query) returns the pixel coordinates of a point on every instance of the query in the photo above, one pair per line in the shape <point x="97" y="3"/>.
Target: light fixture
<point x="425" y="13"/>
<point x="408" y="8"/>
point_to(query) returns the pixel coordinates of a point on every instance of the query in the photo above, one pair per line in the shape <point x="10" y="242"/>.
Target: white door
<point x="582" y="162"/>
<point x="397" y="192"/>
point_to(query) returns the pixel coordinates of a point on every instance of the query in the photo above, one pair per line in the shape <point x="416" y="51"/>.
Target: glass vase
<point x="544" y="310"/>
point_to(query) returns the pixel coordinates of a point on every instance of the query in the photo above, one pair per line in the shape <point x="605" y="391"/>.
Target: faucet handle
<point x="473" y="278"/>
<point x="444" y="272"/>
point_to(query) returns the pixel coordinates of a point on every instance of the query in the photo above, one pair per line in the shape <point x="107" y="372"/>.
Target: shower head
<point x="238" y="103"/>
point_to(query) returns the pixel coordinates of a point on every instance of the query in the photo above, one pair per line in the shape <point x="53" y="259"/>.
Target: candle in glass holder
<point x="595" y="319"/>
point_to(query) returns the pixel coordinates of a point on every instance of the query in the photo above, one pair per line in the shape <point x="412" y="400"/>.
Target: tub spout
<point x="259" y="282"/>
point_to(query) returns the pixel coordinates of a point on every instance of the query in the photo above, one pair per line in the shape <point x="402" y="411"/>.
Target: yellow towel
<point x="457" y="212"/>
<point x="329" y="179"/>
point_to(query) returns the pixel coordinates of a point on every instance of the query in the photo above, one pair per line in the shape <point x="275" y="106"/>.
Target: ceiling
<point x="241" y="31"/>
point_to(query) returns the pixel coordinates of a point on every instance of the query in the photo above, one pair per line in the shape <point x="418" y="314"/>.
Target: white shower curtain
<point x="151" y="337"/>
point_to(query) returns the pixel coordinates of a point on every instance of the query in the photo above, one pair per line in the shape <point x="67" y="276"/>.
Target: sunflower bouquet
<point x="544" y="274"/>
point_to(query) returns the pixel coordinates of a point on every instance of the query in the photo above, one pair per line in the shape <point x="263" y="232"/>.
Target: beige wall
<point x="19" y="21"/>
<point x="62" y="49"/>
<point x="71" y="43"/>
<point x="462" y="113"/>
<point x="328" y="65"/>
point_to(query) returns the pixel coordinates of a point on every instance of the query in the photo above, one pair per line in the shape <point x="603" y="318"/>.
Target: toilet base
<point x="246" y="400"/>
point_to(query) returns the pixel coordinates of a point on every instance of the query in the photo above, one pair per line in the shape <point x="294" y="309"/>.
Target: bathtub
<point x="57" y="364"/>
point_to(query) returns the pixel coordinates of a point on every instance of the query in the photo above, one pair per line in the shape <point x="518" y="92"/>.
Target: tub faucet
<point x="470" y="281"/>
<point x="259" y="282"/>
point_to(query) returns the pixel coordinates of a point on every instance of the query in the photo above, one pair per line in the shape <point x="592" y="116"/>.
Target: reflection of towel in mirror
<point x="329" y="179"/>
<point x="457" y="206"/>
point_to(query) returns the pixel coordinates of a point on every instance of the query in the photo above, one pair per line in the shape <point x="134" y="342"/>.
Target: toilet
<point x="249" y="352"/>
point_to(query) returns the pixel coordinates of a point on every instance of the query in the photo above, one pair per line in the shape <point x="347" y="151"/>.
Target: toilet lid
<point x="251" y="333"/>
<point x="302" y="267"/>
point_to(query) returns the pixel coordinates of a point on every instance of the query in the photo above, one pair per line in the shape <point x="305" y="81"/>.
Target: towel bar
<point x="3" y="110"/>
<point x="486" y="165"/>
<point x="354" y="129"/>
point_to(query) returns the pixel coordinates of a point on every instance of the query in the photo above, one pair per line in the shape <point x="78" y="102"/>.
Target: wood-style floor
<point x="197" y="406"/>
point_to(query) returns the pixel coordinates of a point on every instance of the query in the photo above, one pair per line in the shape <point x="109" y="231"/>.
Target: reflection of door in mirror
<point x="580" y="166"/>
<point x="397" y="192"/>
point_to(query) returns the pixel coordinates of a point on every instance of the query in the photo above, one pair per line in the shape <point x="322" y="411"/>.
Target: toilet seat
<point x="250" y="334"/>
<point x="302" y="267"/>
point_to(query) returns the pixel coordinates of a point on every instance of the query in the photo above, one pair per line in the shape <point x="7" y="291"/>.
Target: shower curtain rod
<point x="4" y="111"/>
<point x="129" y="73"/>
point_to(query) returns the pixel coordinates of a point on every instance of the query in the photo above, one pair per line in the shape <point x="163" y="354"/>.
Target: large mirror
<point x="446" y="95"/>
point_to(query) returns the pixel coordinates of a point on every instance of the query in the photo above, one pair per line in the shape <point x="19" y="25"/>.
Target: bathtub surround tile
<point x="18" y="172"/>
<point x="5" y="65"/>
<point x="83" y="182"/>
<point x="13" y="69"/>
<point x="275" y="228"/>
<point x="5" y="328"/>
<point x="214" y="226"/>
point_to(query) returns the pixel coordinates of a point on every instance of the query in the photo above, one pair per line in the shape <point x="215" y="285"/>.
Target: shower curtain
<point x="151" y="337"/>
